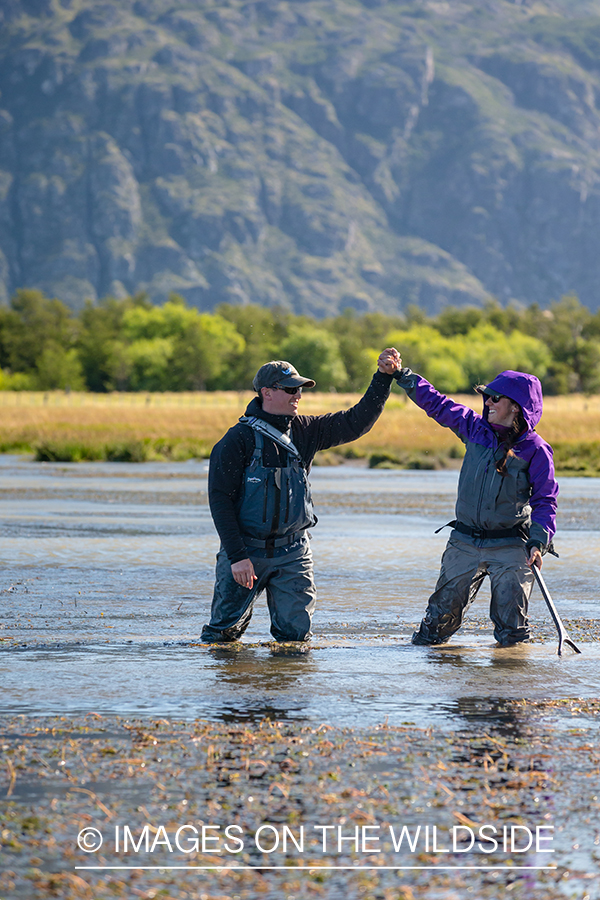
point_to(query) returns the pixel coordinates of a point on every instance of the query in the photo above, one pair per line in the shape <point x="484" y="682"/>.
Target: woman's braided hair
<point x="518" y="426"/>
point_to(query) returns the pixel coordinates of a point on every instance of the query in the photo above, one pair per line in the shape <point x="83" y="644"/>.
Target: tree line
<point x="131" y="345"/>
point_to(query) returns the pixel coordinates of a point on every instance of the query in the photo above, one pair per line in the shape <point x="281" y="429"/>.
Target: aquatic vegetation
<point x="276" y="787"/>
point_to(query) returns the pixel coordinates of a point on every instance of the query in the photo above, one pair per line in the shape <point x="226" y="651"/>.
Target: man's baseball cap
<point x="280" y="372"/>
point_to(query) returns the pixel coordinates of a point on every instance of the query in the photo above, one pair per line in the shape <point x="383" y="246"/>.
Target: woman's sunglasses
<point x="495" y="398"/>
<point x="288" y="390"/>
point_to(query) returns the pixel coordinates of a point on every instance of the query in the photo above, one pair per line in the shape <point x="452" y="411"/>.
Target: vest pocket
<point x="275" y="502"/>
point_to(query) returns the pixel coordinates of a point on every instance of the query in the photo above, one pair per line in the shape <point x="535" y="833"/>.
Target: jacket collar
<point x="282" y="423"/>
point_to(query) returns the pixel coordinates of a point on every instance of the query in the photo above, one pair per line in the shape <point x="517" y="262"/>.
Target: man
<point x="261" y="504"/>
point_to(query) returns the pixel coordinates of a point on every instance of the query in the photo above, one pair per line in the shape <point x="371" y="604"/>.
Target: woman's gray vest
<point x="275" y="505"/>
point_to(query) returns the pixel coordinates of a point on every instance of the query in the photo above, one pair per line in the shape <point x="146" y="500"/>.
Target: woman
<point x="505" y="508"/>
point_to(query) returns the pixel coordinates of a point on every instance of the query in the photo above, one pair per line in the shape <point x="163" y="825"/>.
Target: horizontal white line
<point x="310" y="868"/>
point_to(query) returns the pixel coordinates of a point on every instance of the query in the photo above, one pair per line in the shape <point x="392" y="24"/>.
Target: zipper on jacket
<point x="266" y="499"/>
<point x="480" y="500"/>
<point x="277" y="506"/>
<point x="491" y="459"/>
<point x="286" y="515"/>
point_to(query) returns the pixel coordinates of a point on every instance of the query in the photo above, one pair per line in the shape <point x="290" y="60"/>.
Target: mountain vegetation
<point x="309" y="155"/>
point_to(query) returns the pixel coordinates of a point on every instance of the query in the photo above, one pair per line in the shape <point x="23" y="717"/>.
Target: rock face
<point x="316" y="154"/>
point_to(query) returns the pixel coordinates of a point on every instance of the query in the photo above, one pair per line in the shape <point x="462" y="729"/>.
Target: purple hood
<point x="524" y="389"/>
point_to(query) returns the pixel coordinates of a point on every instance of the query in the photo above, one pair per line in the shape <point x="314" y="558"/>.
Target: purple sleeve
<point x="462" y="420"/>
<point x="544" y="491"/>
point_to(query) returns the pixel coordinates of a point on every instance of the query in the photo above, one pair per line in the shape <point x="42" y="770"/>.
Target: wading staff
<point x="563" y="637"/>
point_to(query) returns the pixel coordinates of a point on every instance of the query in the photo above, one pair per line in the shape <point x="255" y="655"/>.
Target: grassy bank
<point x="139" y="427"/>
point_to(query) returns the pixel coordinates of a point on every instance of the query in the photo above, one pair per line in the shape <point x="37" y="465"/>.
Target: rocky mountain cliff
<point x="316" y="154"/>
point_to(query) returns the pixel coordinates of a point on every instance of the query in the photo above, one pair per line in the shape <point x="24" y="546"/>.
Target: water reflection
<point x="358" y="684"/>
<point x="260" y="678"/>
<point x="254" y="713"/>
<point x="508" y="718"/>
<point x="254" y="670"/>
<point x="505" y="660"/>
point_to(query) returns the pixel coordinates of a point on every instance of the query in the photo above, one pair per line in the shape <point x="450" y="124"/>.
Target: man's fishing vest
<point x="275" y="505"/>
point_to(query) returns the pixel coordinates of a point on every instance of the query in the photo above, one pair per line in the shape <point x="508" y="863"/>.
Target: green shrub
<point x="69" y="451"/>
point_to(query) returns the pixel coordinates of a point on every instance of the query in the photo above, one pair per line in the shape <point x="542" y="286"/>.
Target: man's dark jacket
<point x="233" y="453"/>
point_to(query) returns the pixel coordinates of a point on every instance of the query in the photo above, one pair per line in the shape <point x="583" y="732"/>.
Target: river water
<point x="107" y="580"/>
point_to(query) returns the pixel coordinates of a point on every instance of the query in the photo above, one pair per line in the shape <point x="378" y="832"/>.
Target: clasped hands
<point x="389" y="361"/>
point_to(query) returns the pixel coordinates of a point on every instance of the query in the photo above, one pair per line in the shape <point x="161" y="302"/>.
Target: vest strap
<point x="484" y="534"/>
<point x="264" y="428"/>
<point x="275" y="542"/>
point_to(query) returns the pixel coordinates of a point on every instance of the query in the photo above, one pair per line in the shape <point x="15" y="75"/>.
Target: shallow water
<point x="107" y="580"/>
<point x="356" y="684"/>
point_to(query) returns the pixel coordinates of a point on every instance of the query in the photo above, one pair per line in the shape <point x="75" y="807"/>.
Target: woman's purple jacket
<point x="527" y="494"/>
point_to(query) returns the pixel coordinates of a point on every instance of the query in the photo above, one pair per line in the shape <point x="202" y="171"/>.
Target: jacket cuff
<point x="538" y="544"/>
<point x="238" y="557"/>
<point x="402" y="374"/>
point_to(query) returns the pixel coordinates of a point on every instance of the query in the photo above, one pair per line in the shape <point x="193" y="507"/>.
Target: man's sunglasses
<point x="495" y="398"/>
<point x="288" y="390"/>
